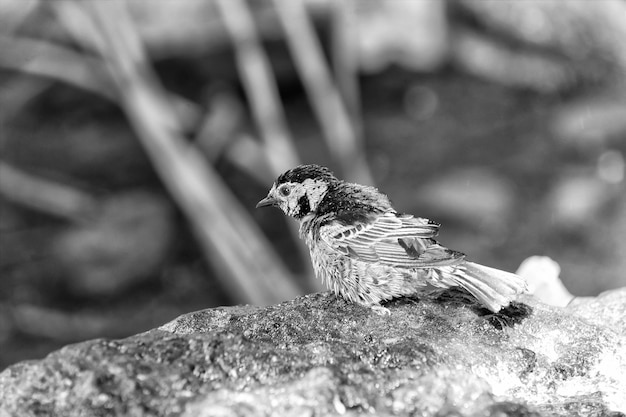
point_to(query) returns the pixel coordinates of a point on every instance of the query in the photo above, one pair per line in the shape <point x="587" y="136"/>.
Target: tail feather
<point x="492" y="287"/>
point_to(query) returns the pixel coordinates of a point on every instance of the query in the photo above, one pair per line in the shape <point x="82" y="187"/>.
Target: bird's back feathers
<point x="352" y="203"/>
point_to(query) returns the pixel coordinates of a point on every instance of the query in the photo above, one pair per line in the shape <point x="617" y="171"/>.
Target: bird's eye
<point x="284" y="191"/>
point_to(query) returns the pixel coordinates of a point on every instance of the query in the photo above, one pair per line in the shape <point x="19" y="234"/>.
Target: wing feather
<point x="392" y="239"/>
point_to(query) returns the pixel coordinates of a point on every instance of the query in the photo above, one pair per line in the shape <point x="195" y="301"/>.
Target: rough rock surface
<point x="318" y="355"/>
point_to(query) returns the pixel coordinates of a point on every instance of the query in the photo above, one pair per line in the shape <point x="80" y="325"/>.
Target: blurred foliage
<point x="136" y="137"/>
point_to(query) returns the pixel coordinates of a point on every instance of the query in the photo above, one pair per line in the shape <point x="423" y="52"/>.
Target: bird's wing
<point x="397" y="240"/>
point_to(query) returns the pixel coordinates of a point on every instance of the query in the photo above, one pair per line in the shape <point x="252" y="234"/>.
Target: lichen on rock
<point x="319" y="355"/>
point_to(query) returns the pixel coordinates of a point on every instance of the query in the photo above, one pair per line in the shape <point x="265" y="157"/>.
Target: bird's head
<point x="299" y="191"/>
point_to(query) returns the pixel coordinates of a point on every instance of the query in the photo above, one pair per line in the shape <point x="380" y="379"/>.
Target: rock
<point x="608" y="308"/>
<point x="319" y="355"/>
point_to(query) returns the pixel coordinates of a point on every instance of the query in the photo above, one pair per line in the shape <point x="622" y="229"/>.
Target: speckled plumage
<point x="365" y="251"/>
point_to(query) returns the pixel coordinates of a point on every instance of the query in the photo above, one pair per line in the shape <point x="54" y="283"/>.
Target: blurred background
<point x="137" y="136"/>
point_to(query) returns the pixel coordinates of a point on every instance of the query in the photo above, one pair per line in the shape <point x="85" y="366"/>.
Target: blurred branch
<point x="260" y="85"/>
<point x="17" y="94"/>
<point x="482" y="56"/>
<point x="76" y="21"/>
<point x="54" y="61"/>
<point x="14" y="13"/>
<point x="247" y="266"/>
<point x="44" y="195"/>
<point x="86" y="72"/>
<point x="547" y="46"/>
<point x="262" y="92"/>
<point x="219" y="135"/>
<point x="220" y="124"/>
<point x="306" y="50"/>
<point x="246" y="153"/>
<point x="345" y="60"/>
<point x="186" y="29"/>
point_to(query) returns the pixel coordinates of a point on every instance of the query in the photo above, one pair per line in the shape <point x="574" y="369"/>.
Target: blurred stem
<point x="345" y="60"/>
<point x="260" y="85"/>
<point x="17" y="94"/>
<point x="54" y="61"/>
<point x="81" y="70"/>
<point x="19" y="11"/>
<point x="219" y="135"/>
<point x="262" y="92"/>
<point x="306" y="50"/>
<point x="246" y="264"/>
<point x="220" y="123"/>
<point x="44" y="195"/>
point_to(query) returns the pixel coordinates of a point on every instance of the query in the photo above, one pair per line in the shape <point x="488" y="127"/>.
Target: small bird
<point x="367" y="252"/>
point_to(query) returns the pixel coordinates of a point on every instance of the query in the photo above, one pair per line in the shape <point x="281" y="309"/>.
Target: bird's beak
<point x="267" y="201"/>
